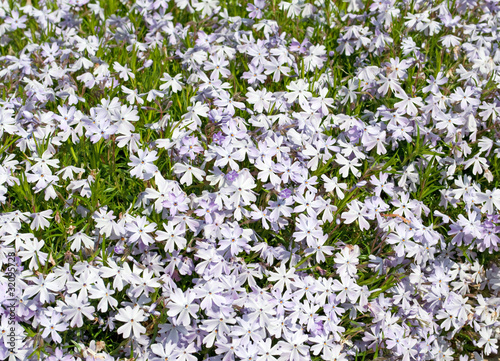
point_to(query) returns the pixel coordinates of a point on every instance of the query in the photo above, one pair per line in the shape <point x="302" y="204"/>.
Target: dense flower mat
<point x="222" y="180"/>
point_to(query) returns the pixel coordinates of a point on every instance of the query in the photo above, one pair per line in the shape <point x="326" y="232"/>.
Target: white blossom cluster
<point x="187" y="180"/>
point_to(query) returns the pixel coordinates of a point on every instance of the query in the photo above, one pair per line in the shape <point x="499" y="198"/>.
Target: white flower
<point x="132" y="317"/>
<point x="188" y="171"/>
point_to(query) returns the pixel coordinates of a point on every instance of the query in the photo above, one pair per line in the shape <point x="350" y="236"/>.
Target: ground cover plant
<point x="223" y="180"/>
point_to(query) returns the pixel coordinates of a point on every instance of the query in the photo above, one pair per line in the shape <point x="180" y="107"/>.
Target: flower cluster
<point x="220" y="180"/>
